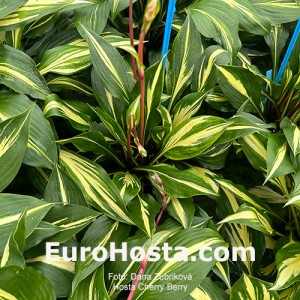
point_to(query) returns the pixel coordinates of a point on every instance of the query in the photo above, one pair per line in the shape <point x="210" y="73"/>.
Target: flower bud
<point x="151" y="11"/>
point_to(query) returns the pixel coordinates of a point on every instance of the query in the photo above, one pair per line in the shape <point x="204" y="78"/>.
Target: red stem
<point x="132" y="39"/>
<point x="142" y="86"/>
<point x="145" y="260"/>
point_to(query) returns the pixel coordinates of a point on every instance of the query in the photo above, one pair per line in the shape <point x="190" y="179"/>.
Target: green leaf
<point x="59" y="273"/>
<point x="18" y="72"/>
<point x="193" y="239"/>
<point x="180" y="183"/>
<point x="33" y="10"/>
<point x="191" y="137"/>
<point x="11" y="208"/>
<point x="278" y="162"/>
<point x="96" y="185"/>
<point x="7" y="6"/>
<point x="41" y="150"/>
<point x="281" y="11"/>
<point x="110" y="66"/>
<point x="13" y="251"/>
<point x="128" y="184"/>
<point x="292" y="134"/>
<point x="240" y="85"/>
<point x="14" y="133"/>
<point x="93" y="286"/>
<point x="249" y="287"/>
<point x="23" y="284"/>
<point x="111" y="231"/>
<point x="182" y="210"/>
<point x="65" y="60"/>
<point x="216" y="19"/>
<point x="143" y="209"/>
<point x="251" y="217"/>
<point x="288" y="264"/>
<point x="183" y="57"/>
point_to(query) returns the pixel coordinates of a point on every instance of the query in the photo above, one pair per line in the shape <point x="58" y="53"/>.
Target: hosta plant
<point x="100" y="145"/>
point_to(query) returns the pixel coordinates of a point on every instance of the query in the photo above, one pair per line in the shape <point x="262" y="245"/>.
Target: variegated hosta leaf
<point x="250" y="20"/>
<point x="14" y="134"/>
<point x="214" y="157"/>
<point x="244" y="196"/>
<point x="65" y="60"/>
<point x="240" y="85"/>
<point x="18" y="72"/>
<point x="278" y="161"/>
<point x="68" y="83"/>
<point x="69" y="219"/>
<point x="216" y="19"/>
<point x="281" y="11"/>
<point x="112" y="126"/>
<point x="92" y="286"/>
<point x="159" y="132"/>
<point x="94" y="16"/>
<point x="255" y="148"/>
<point x="93" y="141"/>
<point x="96" y="185"/>
<point x="14" y="248"/>
<point x="185" y="52"/>
<point x="154" y="83"/>
<point x="60" y="272"/>
<point x="205" y="73"/>
<point x="221" y="269"/>
<point x="61" y="188"/>
<point x="187" y="107"/>
<point x="243" y="124"/>
<point x="292" y="134"/>
<point x="180" y="183"/>
<point x="118" y="6"/>
<point x="41" y="150"/>
<point x="249" y="287"/>
<point x="182" y="210"/>
<point x="128" y="184"/>
<point x="33" y="10"/>
<point x="11" y="208"/>
<point x="191" y="137"/>
<point x="7" y="6"/>
<point x="193" y="239"/>
<point x="143" y="209"/>
<point x="110" y="66"/>
<point x="217" y="100"/>
<point x="251" y="217"/>
<point x="111" y="232"/>
<point x="276" y="41"/>
<point x="288" y="264"/>
<point x="24" y="283"/>
<point x="59" y="108"/>
<point x="207" y="290"/>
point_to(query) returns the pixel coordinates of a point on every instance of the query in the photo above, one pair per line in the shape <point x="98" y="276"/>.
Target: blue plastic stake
<point x="168" y="28"/>
<point x="288" y="52"/>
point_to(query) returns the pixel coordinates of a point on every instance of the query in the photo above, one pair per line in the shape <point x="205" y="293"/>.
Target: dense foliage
<point x="100" y="143"/>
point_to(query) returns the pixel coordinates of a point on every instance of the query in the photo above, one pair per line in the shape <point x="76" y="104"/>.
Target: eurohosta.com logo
<point x="155" y="253"/>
